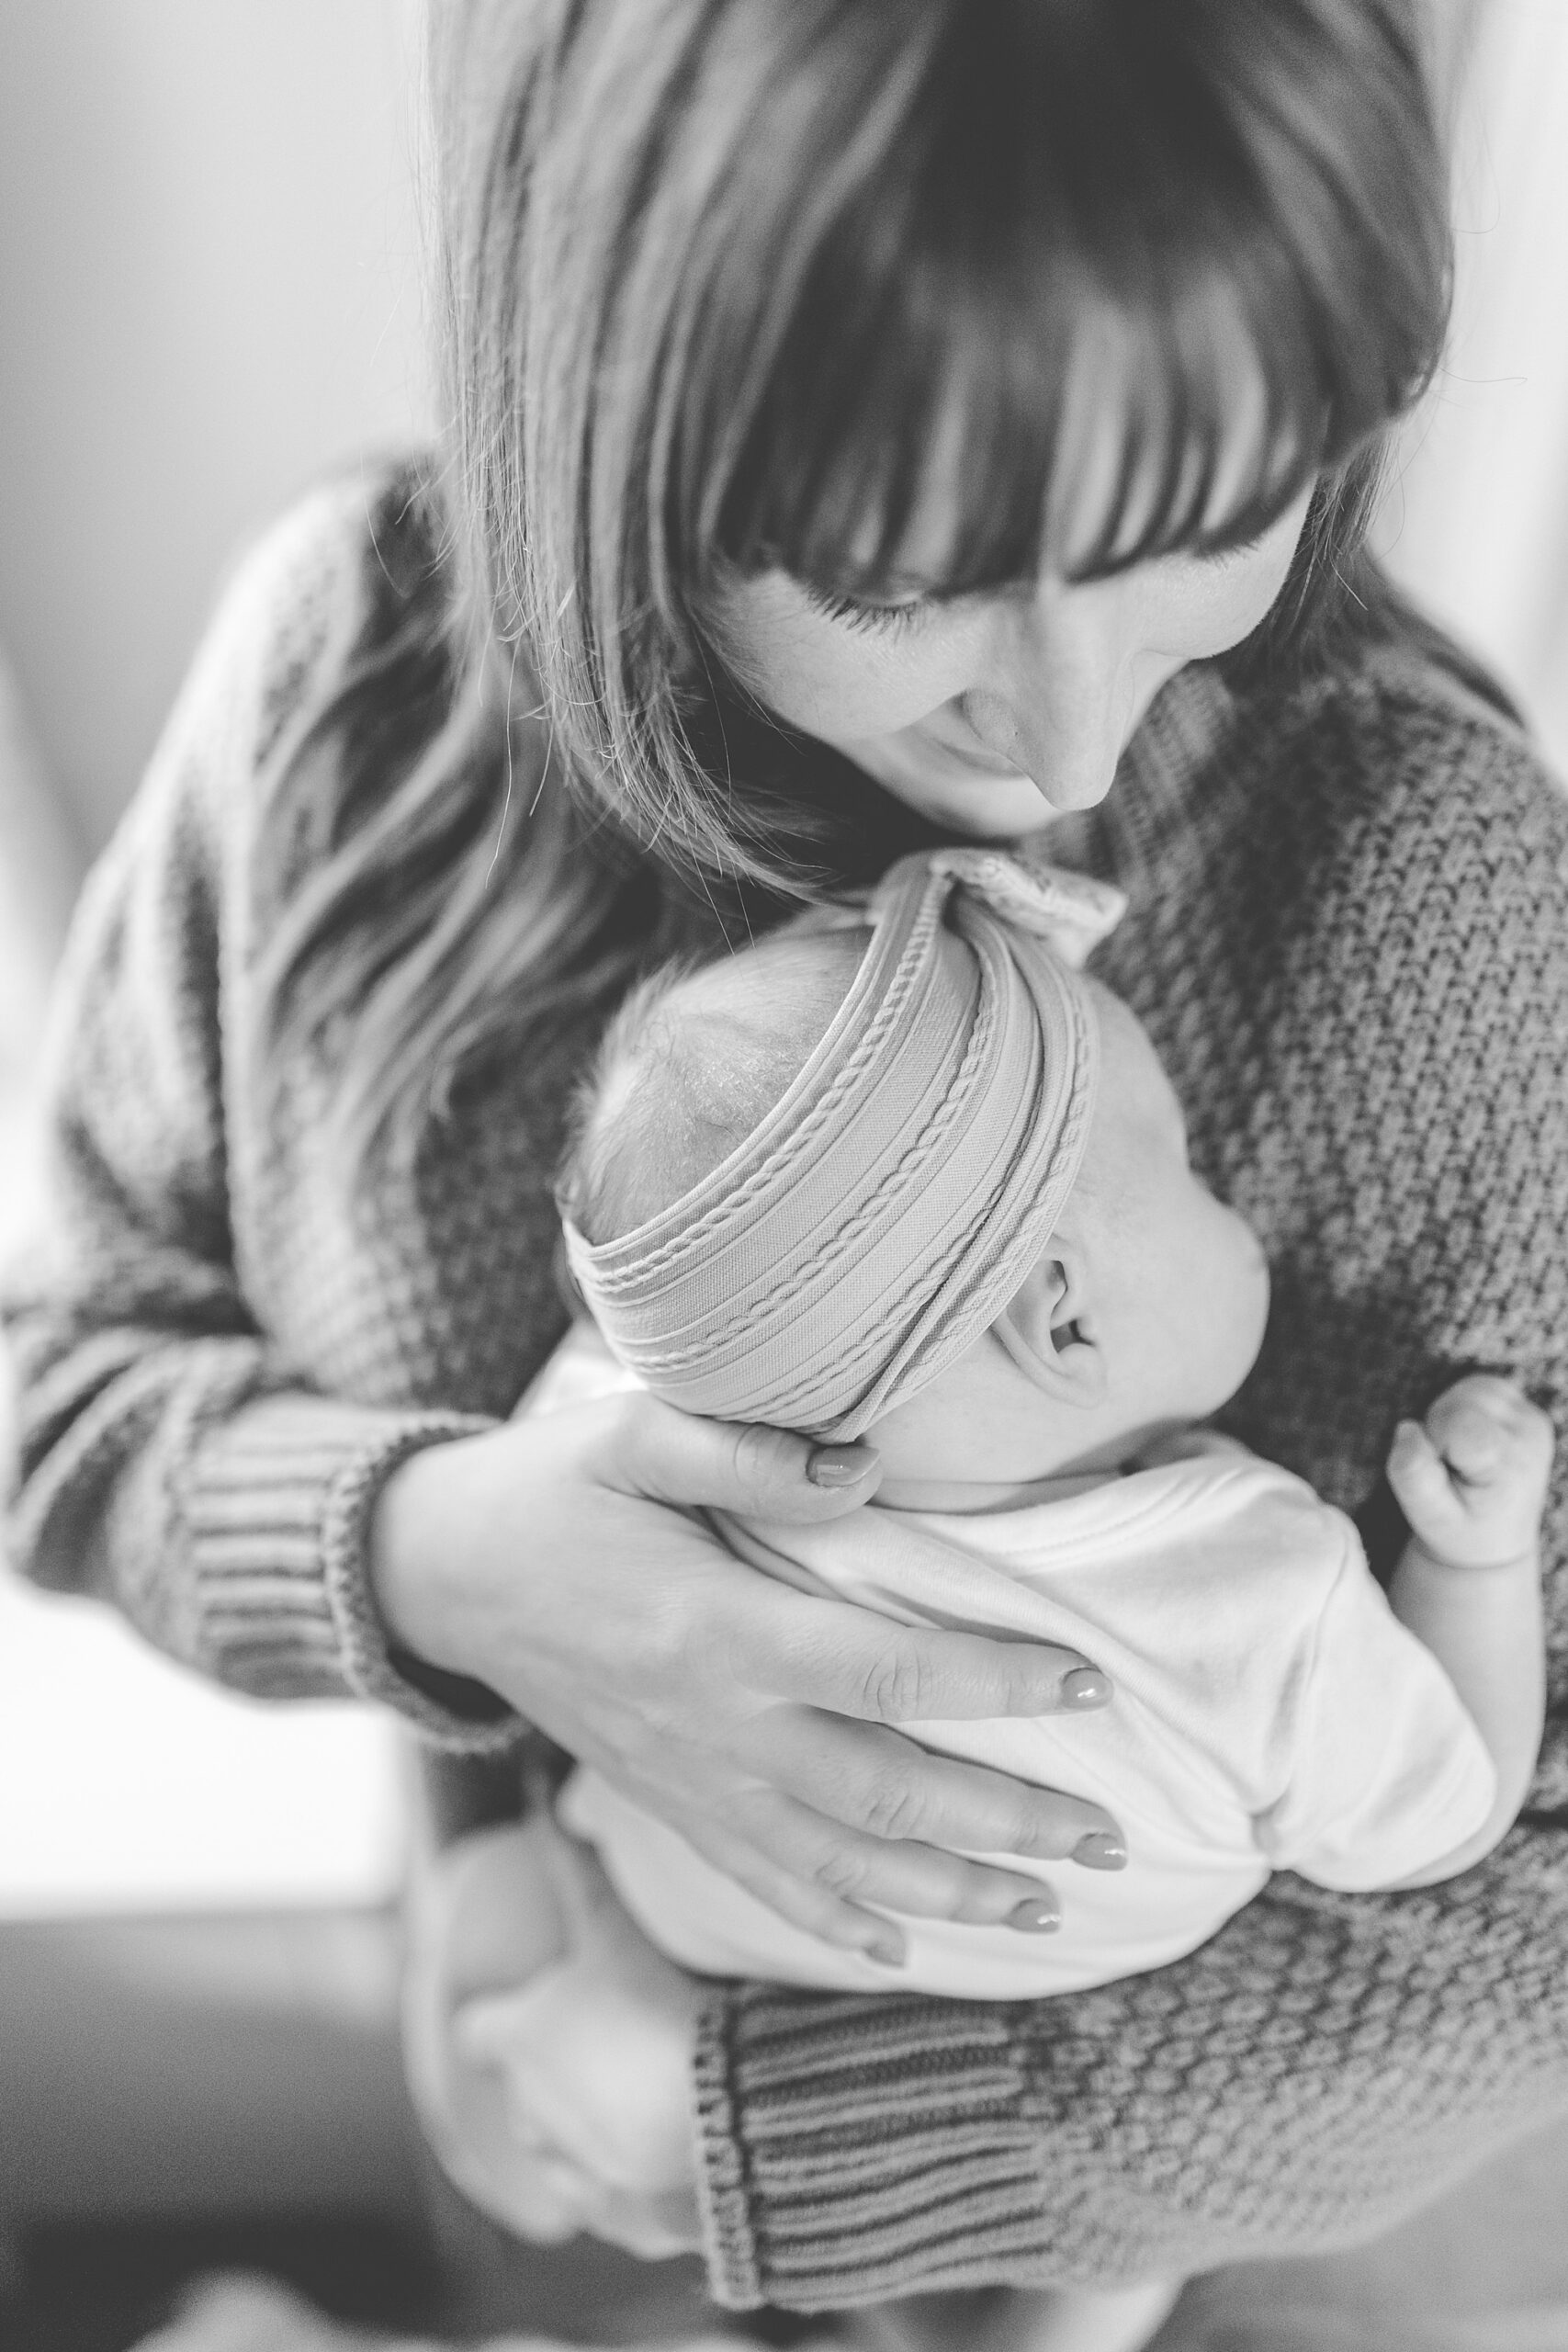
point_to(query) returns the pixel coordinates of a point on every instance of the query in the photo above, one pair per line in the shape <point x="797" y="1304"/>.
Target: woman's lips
<point x="935" y="752"/>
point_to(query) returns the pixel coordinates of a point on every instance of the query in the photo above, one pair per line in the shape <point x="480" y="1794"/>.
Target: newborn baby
<point x="908" y="1174"/>
<point x="926" y="1182"/>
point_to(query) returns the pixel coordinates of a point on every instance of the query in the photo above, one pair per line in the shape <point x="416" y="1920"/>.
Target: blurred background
<point x="209" y="269"/>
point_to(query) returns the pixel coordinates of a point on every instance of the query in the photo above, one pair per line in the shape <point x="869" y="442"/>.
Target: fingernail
<point x="1101" y="1849"/>
<point x="886" y="1951"/>
<point x="1033" y="1918"/>
<point x="840" y="1466"/>
<point x="1085" y="1687"/>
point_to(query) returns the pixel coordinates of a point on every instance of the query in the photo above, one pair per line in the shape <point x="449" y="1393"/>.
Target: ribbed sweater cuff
<point x="279" y="1510"/>
<point x="851" y="2151"/>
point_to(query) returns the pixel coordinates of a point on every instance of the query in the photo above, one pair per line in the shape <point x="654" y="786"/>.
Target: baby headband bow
<point x="888" y="1207"/>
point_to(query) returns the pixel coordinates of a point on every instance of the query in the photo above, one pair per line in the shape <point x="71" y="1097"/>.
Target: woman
<point x="872" y="418"/>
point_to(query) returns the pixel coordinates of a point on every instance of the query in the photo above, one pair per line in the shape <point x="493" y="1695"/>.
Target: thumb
<point x="673" y="1457"/>
<point x="1465" y="1429"/>
<point x="1415" y="1472"/>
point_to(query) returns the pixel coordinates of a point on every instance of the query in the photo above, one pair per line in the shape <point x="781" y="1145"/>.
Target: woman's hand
<point x="554" y="1560"/>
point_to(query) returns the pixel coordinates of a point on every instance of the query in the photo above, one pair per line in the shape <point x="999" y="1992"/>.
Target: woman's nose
<point x="1056" y="694"/>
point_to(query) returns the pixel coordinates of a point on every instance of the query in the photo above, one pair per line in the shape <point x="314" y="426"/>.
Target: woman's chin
<point x="962" y="800"/>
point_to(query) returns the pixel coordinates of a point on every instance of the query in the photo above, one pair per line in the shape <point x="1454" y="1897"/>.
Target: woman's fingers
<point x="837" y="1657"/>
<point x="831" y="1655"/>
<point x="895" y="1793"/>
<point x="649" y="1449"/>
<point x="801" y="1900"/>
<point x="919" y="1881"/>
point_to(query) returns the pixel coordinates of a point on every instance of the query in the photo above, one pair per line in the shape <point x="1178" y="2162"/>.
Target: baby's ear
<point x="1042" y="1329"/>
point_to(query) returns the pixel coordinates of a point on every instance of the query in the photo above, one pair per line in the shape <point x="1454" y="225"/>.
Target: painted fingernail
<point x="1033" y="1918"/>
<point x="1101" y="1849"/>
<point x="1085" y="1687"/>
<point x="887" y="1951"/>
<point x="840" y="1466"/>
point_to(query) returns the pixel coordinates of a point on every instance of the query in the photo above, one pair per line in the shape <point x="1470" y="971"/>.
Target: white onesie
<point x="1270" y="1712"/>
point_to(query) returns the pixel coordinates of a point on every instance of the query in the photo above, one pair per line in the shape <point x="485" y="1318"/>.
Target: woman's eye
<point x="1222" y="558"/>
<point x="1234" y="550"/>
<point x="858" y="612"/>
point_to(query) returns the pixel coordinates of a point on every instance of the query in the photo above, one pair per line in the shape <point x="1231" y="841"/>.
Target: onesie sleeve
<point x="166" y="1457"/>
<point x="1388" y="1772"/>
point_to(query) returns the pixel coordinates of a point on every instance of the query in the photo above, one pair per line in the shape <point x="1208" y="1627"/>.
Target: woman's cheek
<point x="1258" y="580"/>
<point x="846" y="692"/>
<point x="827" y="679"/>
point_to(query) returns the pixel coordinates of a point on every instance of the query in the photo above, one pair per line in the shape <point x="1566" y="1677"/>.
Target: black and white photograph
<point x="784" y="1176"/>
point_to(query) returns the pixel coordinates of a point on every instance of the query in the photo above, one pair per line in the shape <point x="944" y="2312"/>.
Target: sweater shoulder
<point x="298" y="595"/>
<point x="294" y="608"/>
<point x="1390" y="808"/>
<point x="1399" y="728"/>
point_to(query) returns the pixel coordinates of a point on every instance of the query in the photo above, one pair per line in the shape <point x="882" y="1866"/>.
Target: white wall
<point x="208" y="275"/>
<point x="209" y="291"/>
<point x="1477" y="523"/>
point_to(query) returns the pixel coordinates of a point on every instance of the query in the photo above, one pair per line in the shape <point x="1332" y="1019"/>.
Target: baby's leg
<point x="482" y="1918"/>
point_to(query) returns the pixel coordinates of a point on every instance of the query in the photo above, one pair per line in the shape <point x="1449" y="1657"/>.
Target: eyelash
<point x="1238" y="549"/>
<point x="882" y="620"/>
<point x="891" y="620"/>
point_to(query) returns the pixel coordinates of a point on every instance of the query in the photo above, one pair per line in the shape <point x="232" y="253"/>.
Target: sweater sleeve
<point x="1330" y="2061"/>
<point x="166" y="1459"/>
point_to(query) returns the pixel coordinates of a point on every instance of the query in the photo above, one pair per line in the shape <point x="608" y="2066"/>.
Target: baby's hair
<point x="690" y="1066"/>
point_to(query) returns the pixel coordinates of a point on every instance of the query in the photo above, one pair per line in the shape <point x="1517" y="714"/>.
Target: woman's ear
<point x="1043" y="1329"/>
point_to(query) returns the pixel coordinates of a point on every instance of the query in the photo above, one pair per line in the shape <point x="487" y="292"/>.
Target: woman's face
<point x="977" y="709"/>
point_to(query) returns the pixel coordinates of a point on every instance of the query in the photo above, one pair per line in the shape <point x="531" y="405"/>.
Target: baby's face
<point x="1179" y="1292"/>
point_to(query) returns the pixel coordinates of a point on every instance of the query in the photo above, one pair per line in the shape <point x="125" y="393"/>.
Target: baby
<point x="910" y="1174"/>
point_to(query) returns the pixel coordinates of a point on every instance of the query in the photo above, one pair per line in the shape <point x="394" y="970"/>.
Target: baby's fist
<point x="1471" y="1481"/>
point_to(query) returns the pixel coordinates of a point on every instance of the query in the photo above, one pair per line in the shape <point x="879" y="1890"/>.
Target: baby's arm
<point x="1472" y="1482"/>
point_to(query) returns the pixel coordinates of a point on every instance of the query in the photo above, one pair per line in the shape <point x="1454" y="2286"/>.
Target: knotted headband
<point x="888" y="1207"/>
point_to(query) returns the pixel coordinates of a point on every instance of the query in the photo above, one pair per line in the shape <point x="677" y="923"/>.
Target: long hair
<point x="715" y="276"/>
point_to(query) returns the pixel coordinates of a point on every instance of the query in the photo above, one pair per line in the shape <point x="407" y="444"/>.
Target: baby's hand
<point x="1473" y="1480"/>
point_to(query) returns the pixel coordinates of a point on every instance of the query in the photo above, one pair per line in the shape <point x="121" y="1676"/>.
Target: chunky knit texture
<point x="1348" y="937"/>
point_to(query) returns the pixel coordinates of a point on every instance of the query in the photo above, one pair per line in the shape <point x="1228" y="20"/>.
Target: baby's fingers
<point x="1485" y="1427"/>
<point x="1473" y="1481"/>
<point x="1421" y="1480"/>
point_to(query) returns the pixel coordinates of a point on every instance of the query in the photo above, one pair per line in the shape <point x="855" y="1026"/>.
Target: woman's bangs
<point x="881" y="454"/>
<point x="888" y="457"/>
<point x="1188" y="427"/>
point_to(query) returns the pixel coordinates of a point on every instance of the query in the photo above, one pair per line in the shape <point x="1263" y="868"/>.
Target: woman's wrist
<point x="413" y="1541"/>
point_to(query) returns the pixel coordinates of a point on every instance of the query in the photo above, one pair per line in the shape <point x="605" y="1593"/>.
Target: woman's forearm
<point x="1298" y="2082"/>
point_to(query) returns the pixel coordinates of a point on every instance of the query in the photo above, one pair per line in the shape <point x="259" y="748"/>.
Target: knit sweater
<point x="1347" y="937"/>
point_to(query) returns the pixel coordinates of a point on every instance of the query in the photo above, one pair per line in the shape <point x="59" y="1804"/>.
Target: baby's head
<point x="950" y="1209"/>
